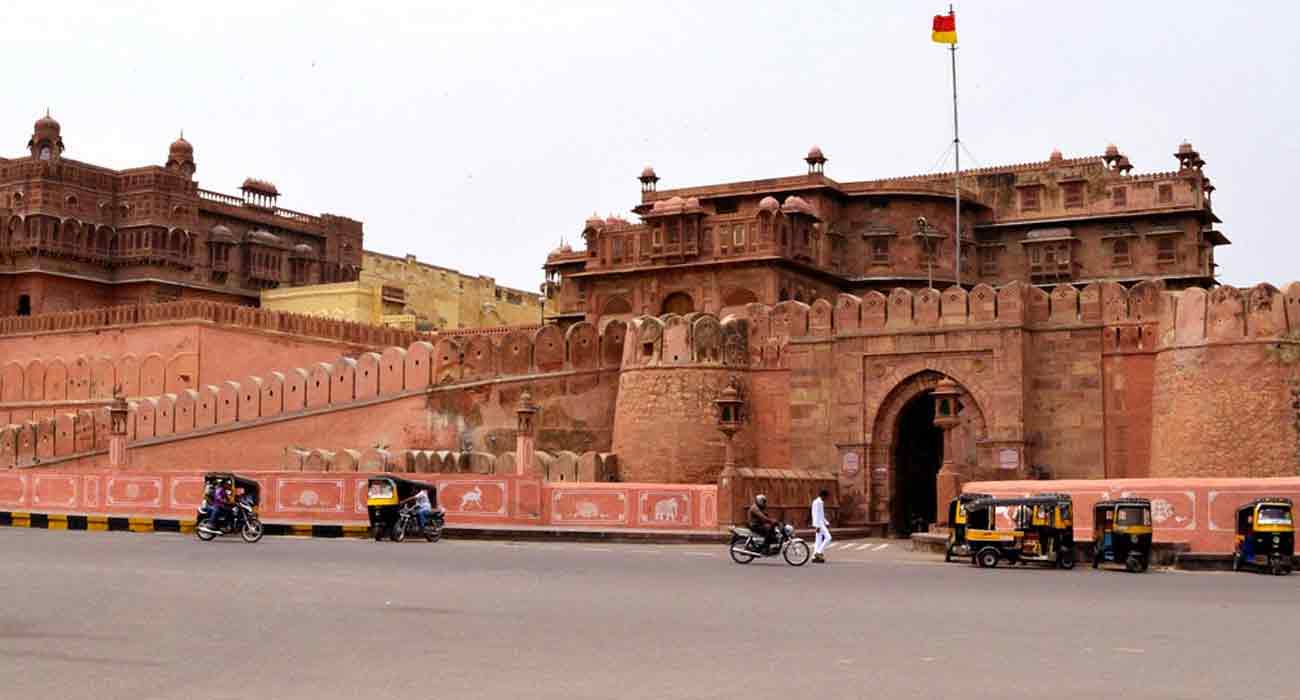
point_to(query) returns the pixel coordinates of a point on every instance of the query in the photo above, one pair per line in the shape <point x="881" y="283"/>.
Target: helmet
<point x="761" y="500"/>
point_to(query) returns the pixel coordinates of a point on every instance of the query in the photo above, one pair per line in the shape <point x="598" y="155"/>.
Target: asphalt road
<point x="129" y="616"/>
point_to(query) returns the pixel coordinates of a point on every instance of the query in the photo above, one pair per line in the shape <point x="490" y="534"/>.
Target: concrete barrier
<point x="339" y="498"/>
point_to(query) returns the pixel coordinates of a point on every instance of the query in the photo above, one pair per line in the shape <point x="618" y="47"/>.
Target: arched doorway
<point x="918" y="454"/>
<point x="907" y="450"/>
<point x="679" y="303"/>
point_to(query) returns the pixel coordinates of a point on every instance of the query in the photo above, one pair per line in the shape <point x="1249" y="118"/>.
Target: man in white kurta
<point x="821" y="526"/>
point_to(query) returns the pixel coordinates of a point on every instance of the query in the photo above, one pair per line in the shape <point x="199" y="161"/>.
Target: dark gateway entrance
<point x="918" y="454"/>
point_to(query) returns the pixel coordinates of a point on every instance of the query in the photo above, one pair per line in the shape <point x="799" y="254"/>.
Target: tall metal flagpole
<point x="956" y="151"/>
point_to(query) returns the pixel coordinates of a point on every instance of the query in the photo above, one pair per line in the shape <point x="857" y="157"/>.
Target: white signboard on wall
<point x="1009" y="459"/>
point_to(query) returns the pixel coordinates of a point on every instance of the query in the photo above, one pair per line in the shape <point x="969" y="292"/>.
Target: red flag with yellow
<point x="945" y="29"/>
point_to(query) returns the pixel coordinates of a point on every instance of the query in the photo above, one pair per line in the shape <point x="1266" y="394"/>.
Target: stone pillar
<point x="729" y="421"/>
<point x="948" y="481"/>
<point x="525" y="442"/>
<point x="117" y="414"/>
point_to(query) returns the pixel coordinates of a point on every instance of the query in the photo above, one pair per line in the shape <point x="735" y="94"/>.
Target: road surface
<point x="121" y="616"/>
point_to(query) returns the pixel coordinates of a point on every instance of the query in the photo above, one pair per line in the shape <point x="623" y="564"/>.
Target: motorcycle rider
<point x="222" y="502"/>
<point x="423" y="508"/>
<point x="760" y="522"/>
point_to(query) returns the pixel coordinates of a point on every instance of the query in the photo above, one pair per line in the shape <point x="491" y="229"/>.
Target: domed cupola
<point x="180" y="156"/>
<point x="46" y="142"/>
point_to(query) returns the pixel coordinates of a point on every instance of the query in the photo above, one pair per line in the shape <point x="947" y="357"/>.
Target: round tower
<point x="666" y="419"/>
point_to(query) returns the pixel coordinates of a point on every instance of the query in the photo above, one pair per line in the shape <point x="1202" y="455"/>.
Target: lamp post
<point x="947" y="406"/>
<point x="923" y="230"/>
<point x="525" y="444"/>
<point x="729" y="421"/>
<point x="117" y="417"/>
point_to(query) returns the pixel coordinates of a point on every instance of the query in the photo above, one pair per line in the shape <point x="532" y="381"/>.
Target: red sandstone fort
<point x="1087" y="339"/>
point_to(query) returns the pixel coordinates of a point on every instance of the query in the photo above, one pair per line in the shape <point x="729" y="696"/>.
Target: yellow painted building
<point x="407" y="293"/>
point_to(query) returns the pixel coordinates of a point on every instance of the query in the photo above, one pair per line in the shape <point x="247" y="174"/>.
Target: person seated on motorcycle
<point x="222" y="499"/>
<point x="206" y="508"/>
<point x="423" y="508"/>
<point x="760" y="522"/>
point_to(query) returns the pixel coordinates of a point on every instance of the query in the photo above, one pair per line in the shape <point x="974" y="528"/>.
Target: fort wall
<point x="1080" y="383"/>
<point x="458" y="392"/>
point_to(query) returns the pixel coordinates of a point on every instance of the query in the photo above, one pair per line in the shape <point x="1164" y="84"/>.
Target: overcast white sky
<point x="474" y="135"/>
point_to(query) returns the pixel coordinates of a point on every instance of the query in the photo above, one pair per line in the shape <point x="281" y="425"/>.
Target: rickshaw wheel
<point x="987" y="558"/>
<point x="947" y="553"/>
<point x="1065" y="560"/>
<point x="1236" y="562"/>
<point x="377" y="531"/>
<point x="1275" y="566"/>
<point x="1133" y="564"/>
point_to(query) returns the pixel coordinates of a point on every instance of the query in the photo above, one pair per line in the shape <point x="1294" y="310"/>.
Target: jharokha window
<point x="1119" y="197"/>
<point x="1165" y="251"/>
<point x="1072" y="194"/>
<point x="1119" y="254"/>
<point x="617" y="254"/>
<point x="988" y="261"/>
<point x="1029" y="199"/>
<point x="880" y="251"/>
<point x="738" y="235"/>
<point x="1165" y="194"/>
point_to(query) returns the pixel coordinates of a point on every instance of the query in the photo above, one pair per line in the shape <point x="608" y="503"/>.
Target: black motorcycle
<point x="242" y="519"/>
<point x="747" y="545"/>
<point x="408" y="523"/>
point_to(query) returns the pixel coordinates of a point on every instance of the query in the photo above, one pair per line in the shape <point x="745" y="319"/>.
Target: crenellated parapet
<point x="696" y="339"/>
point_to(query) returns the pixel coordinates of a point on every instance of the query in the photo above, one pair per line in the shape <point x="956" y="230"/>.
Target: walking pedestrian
<point x="821" y="525"/>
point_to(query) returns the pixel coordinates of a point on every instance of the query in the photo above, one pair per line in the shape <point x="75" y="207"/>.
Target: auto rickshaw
<point x="1121" y="532"/>
<point x="241" y="514"/>
<point x="1043" y="534"/>
<point x="384" y="497"/>
<point x="958" y="519"/>
<point x="1265" y="536"/>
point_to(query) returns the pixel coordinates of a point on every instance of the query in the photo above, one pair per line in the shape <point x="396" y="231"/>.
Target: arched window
<point x="679" y="303"/>
<point x="617" y="305"/>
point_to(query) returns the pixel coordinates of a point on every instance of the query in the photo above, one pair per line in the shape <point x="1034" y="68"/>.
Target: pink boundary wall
<point x="1199" y="512"/>
<point x="334" y="498"/>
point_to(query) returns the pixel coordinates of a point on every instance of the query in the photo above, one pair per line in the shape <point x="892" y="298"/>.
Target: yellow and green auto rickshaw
<point x="1121" y="532"/>
<point x="391" y="506"/>
<point x="958" y="521"/>
<point x="1043" y="532"/>
<point x="1265" y="536"/>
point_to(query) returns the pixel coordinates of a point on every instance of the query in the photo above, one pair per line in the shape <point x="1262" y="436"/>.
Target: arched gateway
<point x="907" y="449"/>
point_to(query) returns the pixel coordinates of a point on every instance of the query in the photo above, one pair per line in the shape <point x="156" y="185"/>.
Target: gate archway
<point x="907" y="450"/>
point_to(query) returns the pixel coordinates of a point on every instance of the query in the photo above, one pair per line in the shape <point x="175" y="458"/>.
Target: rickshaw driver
<point x="760" y="522"/>
<point x="423" y="508"/>
<point x="222" y="499"/>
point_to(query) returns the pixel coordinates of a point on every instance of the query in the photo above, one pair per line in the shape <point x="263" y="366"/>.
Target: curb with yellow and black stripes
<point x="112" y="523"/>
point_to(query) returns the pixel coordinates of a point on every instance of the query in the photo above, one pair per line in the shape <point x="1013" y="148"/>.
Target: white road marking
<point x="698" y="554"/>
<point x="882" y="547"/>
<point x="862" y="547"/>
<point x="1130" y="650"/>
